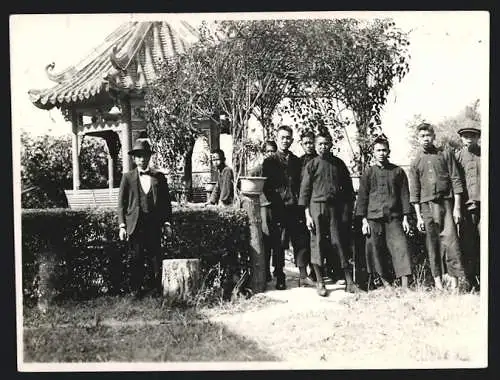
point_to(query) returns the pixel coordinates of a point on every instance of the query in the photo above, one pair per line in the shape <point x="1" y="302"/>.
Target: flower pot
<point x="209" y="186"/>
<point x="252" y="184"/>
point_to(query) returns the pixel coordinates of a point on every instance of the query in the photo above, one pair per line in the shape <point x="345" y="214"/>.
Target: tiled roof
<point x="128" y="59"/>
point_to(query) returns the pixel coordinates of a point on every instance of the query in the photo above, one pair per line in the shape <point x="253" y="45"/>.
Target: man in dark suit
<point x="281" y="188"/>
<point x="144" y="207"/>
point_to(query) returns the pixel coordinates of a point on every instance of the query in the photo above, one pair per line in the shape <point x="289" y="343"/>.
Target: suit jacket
<point x="129" y="202"/>
<point x="282" y="184"/>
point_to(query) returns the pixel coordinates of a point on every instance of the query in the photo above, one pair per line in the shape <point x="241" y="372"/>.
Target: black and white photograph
<point x="250" y="191"/>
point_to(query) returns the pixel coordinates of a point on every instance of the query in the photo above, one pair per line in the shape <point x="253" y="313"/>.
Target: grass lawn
<point x="125" y="330"/>
<point x="387" y="326"/>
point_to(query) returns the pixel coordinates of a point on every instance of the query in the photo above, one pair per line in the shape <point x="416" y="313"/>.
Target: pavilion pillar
<point x="126" y="135"/>
<point x="111" y="169"/>
<point x="74" y="150"/>
<point x="113" y="144"/>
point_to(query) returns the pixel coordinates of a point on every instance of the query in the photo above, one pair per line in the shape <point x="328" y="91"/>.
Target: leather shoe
<point x="269" y="277"/>
<point x="306" y="281"/>
<point x="321" y="289"/>
<point x="280" y="282"/>
<point x="352" y="288"/>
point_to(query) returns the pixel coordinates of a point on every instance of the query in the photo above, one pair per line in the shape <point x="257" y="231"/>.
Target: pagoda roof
<point x="129" y="59"/>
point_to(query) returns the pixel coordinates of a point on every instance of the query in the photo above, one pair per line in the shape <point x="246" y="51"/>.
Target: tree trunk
<point x="180" y="279"/>
<point x="188" y="172"/>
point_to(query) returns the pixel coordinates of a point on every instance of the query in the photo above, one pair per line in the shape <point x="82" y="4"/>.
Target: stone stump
<point x="251" y="203"/>
<point x="180" y="279"/>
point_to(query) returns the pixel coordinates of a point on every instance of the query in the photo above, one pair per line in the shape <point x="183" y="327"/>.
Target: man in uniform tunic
<point x="383" y="204"/>
<point x="304" y="260"/>
<point x="327" y="194"/>
<point x="223" y="192"/>
<point x="435" y="192"/>
<point x="469" y="163"/>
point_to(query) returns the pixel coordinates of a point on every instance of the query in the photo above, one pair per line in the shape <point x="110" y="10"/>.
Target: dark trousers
<point x="302" y="256"/>
<point x="329" y="236"/>
<point x="145" y="246"/>
<point x="441" y="238"/>
<point x="470" y="243"/>
<point x="387" y="235"/>
<point x="268" y="234"/>
<point x="286" y="227"/>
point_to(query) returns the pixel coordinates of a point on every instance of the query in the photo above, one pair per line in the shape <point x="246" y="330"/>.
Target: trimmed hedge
<point x="79" y="253"/>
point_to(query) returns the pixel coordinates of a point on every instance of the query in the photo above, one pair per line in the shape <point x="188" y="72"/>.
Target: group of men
<point x="310" y="201"/>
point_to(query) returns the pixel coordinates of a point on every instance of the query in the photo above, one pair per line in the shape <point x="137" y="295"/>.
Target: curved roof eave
<point x="128" y="61"/>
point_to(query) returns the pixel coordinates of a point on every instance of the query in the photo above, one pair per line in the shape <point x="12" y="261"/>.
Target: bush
<point x="78" y="251"/>
<point x="46" y="163"/>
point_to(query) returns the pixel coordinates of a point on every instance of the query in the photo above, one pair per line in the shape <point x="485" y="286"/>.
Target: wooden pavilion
<point x="108" y="87"/>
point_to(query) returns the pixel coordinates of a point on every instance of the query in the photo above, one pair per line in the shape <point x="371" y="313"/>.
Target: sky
<point x="448" y="67"/>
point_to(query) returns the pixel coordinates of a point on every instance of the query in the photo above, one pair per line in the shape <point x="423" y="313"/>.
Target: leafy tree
<point x="225" y="78"/>
<point x="248" y="68"/>
<point x="46" y="168"/>
<point x="353" y="67"/>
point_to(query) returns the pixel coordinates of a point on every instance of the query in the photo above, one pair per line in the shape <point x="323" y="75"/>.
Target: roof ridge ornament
<point x="62" y="76"/>
<point x="130" y="51"/>
<point x="119" y="63"/>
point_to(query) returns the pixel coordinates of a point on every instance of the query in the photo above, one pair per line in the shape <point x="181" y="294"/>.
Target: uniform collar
<point x="475" y="149"/>
<point x="383" y="166"/>
<point x="431" y="150"/>
<point x="284" y="155"/>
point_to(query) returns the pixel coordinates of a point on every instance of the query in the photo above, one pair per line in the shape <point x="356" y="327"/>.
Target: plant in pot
<point x="249" y="169"/>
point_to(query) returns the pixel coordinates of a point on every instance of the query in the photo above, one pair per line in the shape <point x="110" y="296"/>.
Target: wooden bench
<point x="85" y="198"/>
<point x="199" y="195"/>
<point x="107" y="198"/>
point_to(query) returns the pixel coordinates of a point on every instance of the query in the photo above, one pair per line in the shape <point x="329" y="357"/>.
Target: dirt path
<point x="309" y="331"/>
<point x="296" y="328"/>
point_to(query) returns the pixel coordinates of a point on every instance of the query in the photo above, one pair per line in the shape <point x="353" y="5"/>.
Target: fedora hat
<point x="141" y="146"/>
<point x="469" y="129"/>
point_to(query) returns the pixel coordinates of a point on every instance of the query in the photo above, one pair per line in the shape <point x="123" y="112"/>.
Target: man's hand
<point x="365" y="227"/>
<point x="122" y="234"/>
<point x="206" y="204"/>
<point x="168" y="229"/>
<point x="475" y="218"/>
<point x="457" y="214"/>
<point x="309" y="221"/>
<point x="406" y="225"/>
<point x="420" y="224"/>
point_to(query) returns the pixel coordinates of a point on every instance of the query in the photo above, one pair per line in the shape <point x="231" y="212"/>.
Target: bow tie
<point x="145" y="172"/>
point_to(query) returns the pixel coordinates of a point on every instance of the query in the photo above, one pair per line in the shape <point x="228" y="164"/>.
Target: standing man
<point x="307" y="144"/>
<point x="281" y="188"/>
<point x="223" y="192"/>
<point x="384" y="204"/>
<point x="435" y="192"/>
<point x="327" y="194"/>
<point x="469" y="163"/>
<point x="144" y="207"/>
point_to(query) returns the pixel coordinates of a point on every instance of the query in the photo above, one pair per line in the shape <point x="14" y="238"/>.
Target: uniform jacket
<point x="469" y="164"/>
<point x="129" y="202"/>
<point x="326" y="179"/>
<point x="434" y="175"/>
<point x="224" y="188"/>
<point x="383" y="192"/>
